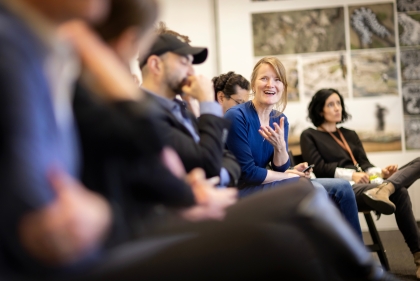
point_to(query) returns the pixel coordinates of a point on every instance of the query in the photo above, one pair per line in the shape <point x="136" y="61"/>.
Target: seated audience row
<point x="326" y="110"/>
<point x="134" y="161"/>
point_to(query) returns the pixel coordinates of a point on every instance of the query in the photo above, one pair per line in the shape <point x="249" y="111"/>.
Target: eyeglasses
<point x="237" y="101"/>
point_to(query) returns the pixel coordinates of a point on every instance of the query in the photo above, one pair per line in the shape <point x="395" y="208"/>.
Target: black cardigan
<point x="321" y="149"/>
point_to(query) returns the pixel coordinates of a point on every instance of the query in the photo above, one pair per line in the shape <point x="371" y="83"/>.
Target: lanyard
<point x="343" y="143"/>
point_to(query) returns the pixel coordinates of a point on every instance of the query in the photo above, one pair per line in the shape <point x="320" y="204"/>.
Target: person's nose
<point x="269" y="83"/>
<point x="190" y="70"/>
<point x="336" y="107"/>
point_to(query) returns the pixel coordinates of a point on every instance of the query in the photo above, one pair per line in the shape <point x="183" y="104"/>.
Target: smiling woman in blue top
<point x="258" y="139"/>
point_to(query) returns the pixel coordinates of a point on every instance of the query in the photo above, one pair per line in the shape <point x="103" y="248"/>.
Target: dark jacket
<point x="209" y="153"/>
<point x="121" y="160"/>
<point x="321" y="149"/>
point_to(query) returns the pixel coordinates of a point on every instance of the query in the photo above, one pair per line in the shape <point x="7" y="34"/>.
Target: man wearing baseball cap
<point x="168" y="71"/>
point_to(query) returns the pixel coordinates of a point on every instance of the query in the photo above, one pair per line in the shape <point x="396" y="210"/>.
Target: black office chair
<point x="377" y="245"/>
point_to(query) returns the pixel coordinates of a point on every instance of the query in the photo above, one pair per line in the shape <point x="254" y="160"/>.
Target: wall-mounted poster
<point x="377" y="122"/>
<point x="372" y="26"/>
<point x="409" y="29"/>
<point x="408" y="5"/>
<point x="411" y="98"/>
<point x="410" y="64"/>
<point x="292" y="79"/>
<point x="292" y="32"/>
<point x="325" y="71"/>
<point x="374" y="74"/>
<point x="412" y="132"/>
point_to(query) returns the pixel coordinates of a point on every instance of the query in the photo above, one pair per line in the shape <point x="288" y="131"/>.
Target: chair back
<point x="295" y="159"/>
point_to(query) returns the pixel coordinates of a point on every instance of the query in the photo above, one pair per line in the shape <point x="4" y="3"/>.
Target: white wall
<point x="198" y="25"/>
<point x="235" y="52"/>
<point x="194" y="18"/>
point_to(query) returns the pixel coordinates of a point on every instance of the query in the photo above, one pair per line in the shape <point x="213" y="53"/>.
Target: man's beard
<point x="177" y="87"/>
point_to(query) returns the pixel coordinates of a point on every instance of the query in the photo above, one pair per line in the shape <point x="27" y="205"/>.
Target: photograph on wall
<point x="325" y="71"/>
<point x="412" y="132"/>
<point x="411" y="98"/>
<point x="410" y="64"/>
<point x="377" y="122"/>
<point x="408" y="5"/>
<point x="409" y="29"/>
<point x="294" y="32"/>
<point x="292" y="78"/>
<point x="372" y="26"/>
<point x="374" y="74"/>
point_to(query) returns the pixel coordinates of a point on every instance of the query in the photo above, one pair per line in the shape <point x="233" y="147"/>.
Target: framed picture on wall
<point x="325" y="71"/>
<point x="372" y="26"/>
<point x="293" y="32"/>
<point x="374" y="73"/>
<point x="412" y="132"/>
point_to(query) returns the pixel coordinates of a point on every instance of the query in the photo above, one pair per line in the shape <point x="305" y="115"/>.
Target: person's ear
<point x="154" y="64"/>
<point x="220" y="97"/>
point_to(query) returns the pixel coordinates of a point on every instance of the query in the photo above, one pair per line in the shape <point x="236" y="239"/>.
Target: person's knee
<point x="317" y="185"/>
<point x="341" y="189"/>
<point x="345" y="189"/>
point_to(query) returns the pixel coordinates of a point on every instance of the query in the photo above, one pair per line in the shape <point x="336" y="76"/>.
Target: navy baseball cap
<point x="170" y="43"/>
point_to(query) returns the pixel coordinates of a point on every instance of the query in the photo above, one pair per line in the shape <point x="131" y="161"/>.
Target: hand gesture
<point x="69" y="227"/>
<point x="360" y="177"/>
<point x="389" y="171"/>
<point x="302" y="166"/>
<point x="199" y="87"/>
<point x="192" y="104"/>
<point x="172" y="162"/>
<point x="276" y="136"/>
<point x="211" y="202"/>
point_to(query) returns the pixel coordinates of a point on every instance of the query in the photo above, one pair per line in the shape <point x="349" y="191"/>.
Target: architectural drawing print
<point x="411" y="99"/>
<point x="325" y="71"/>
<point x="374" y="74"/>
<point x="292" y="79"/>
<point x="409" y="29"/>
<point x="293" y="32"/>
<point x="372" y="26"/>
<point x="410" y="64"/>
<point x="412" y="132"/>
<point x="408" y="5"/>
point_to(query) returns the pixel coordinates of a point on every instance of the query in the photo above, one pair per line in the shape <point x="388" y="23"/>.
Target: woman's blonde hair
<point x="281" y="73"/>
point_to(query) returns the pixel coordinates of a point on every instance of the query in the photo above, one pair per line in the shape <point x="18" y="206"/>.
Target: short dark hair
<point x="316" y="107"/>
<point x="226" y="83"/>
